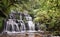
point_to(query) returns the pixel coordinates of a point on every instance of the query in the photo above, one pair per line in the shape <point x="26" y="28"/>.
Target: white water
<point x="31" y="25"/>
<point x="22" y="25"/>
<point x="12" y="23"/>
<point x="13" y="27"/>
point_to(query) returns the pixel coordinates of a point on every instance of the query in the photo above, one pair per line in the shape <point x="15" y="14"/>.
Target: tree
<point x="49" y="13"/>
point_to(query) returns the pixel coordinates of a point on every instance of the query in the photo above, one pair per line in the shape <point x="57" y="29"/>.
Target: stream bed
<point x="23" y="35"/>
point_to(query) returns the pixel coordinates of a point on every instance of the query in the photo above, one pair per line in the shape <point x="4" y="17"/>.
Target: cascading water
<point x="30" y="23"/>
<point x="15" y="25"/>
<point x="22" y="27"/>
<point x="12" y="25"/>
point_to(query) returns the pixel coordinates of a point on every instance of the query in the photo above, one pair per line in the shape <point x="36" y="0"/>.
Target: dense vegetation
<point x="44" y="12"/>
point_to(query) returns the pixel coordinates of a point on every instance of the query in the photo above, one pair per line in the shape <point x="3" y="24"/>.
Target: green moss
<point x="1" y="22"/>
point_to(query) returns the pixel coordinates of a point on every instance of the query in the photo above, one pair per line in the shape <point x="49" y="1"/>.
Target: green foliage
<point x="45" y="12"/>
<point x="1" y="22"/>
<point x="5" y="6"/>
<point x="49" y="13"/>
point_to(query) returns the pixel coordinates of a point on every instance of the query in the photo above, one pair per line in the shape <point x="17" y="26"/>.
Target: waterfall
<point x="22" y="27"/>
<point x="15" y="25"/>
<point x="30" y="22"/>
<point x="12" y="25"/>
<point x="31" y="25"/>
